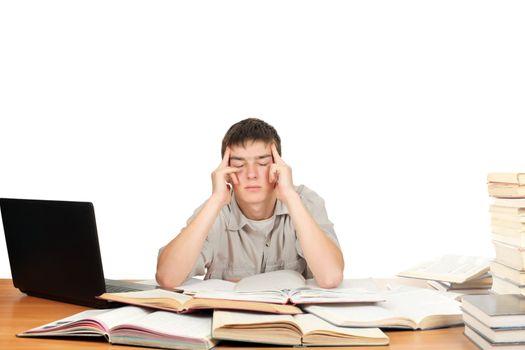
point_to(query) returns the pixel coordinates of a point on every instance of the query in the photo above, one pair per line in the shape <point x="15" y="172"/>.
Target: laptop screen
<point x="53" y="248"/>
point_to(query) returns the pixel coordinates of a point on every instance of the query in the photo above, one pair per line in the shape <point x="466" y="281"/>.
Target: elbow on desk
<point x="166" y="281"/>
<point x="332" y="280"/>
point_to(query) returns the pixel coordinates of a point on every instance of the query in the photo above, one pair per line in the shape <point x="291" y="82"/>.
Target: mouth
<point x="252" y="188"/>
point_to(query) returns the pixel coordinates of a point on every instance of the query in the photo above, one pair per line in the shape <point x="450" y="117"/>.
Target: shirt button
<point x="267" y="244"/>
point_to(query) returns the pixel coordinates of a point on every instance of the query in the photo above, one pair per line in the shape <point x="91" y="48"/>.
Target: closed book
<point x="510" y="255"/>
<point x="509" y="202"/>
<point x="503" y="286"/>
<point x="496" y="311"/>
<point x="511" y="178"/>
<point x="484" y="344"/>
<point x="130" y="325"/>
<point x="495" y="335"/>
<point x="506" y="210"/>
<point x="304" y="329"/>
<point x="517" y="240"/>
<point x="510" y="218"/>
<point x="506" y="230"/>
<point x="508" y="273"/>
<point x="512" y="225"/>
<point x="506" y="190"/>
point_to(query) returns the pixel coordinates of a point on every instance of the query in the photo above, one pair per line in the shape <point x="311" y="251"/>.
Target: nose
<point x="252" y="171"/>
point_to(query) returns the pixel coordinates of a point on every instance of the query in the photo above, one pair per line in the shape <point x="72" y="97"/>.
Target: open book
<point x="405" y="307"/>
<point x="173" y="301"/>
<point x="131" y="325"/>
<point x="449" y="268"/>
<point x="304" y="329"/>
<point x="282" y="287"/>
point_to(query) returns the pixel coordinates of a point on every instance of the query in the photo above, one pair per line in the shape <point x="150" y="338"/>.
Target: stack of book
<point x="507" y="214"/>
<point x="454" y="274"/>
<point x="495" y="321"/>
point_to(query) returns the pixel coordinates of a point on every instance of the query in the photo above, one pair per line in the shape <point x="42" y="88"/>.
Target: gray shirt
<point x="235" y="248"/>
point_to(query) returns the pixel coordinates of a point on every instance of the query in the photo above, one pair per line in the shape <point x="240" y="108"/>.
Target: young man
<point x="255" y="220"/>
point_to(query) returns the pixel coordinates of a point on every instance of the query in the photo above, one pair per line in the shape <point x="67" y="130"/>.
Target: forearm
<point x="180" y="255"/>
<point x="323" y="256"/>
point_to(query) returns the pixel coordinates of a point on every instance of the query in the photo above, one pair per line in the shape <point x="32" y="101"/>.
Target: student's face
<point x="254" y="161"/>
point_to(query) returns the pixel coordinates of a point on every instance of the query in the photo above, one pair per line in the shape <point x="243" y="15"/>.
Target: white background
<point x="393" y="111"/>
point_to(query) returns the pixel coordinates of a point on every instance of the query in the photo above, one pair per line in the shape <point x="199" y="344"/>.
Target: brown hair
<point x="251" y="129"/>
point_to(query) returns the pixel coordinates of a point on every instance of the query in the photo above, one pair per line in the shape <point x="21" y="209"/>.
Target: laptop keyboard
<point x="110" y="288"/>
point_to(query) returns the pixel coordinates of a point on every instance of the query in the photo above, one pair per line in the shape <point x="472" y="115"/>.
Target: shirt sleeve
<point x="205" y="257"/>
<point x="316" y="207"/>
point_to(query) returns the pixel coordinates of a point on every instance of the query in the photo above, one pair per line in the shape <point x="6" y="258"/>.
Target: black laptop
<point x="54" y="252"/>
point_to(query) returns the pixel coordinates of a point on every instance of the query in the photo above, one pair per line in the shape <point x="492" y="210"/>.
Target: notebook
<point x="54" y="252"/>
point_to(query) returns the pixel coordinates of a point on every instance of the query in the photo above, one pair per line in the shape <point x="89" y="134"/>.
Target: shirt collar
<point x="237" y="220"/>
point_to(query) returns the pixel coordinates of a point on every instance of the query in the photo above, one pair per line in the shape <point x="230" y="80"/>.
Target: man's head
<point x="250" y="143"/>
<point x="250" y="130"/>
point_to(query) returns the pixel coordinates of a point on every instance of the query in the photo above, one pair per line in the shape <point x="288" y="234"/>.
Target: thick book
<point x="515" y="225"/>
<point x="484" y="344"/>
<point x="509" y="202"/>
<point x="508" y="273"/>
<point x="517" y="240"/>
<point x="304" y="329"/>
<point x="131" y="325"/>
<point x="412" y="308"/>
<point x="510" y="178"/>
<point x="506" y="190"/>
<point x="507" y="216"/>
<point x="502" y="230"/>
<point x="496" y="311"/>
<point x="174" y="301"/>
<point x="494" y="335"/>
<point x="510" y="255"/>
<point x="283" y="287"/>
<point x="503" y="286"/>
<point x="449" y="268"/>
<point x="508" y="210"/>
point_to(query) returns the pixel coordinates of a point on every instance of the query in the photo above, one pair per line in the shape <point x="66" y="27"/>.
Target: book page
<point x="271" y="281"/>
<point x="420" y="303"/>
<point x="121" y="315"/>
<point x="66" y="323"/>
<point x="311" y="324"/>
<point x="152" y="294"/>
<point x="449" y="268"/>
<point x="194" y="287"/>
<point x="349" y="291"/>
<point x="171" y="324"/>
<point x="402" y="308"/>
<point x="359" y="315"/>
<point x="273" y="297"/>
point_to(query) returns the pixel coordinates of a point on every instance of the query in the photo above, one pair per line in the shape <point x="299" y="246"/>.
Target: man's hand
<point x="281" y="175"/>
<point x="222" y="179"/>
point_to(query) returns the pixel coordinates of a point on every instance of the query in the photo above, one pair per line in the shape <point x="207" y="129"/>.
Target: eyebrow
<point x="256" y="157"/>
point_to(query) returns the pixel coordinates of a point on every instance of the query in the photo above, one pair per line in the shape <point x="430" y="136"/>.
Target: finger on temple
<point x="275" y="154"/>
<point x="226" y="158"/>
